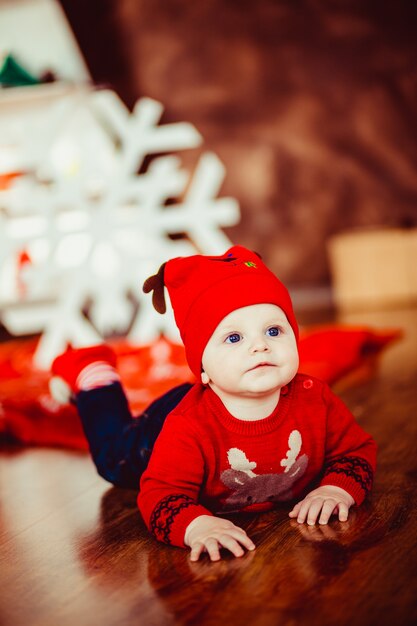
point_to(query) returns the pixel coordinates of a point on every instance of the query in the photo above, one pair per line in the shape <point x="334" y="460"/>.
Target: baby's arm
<point x="350" y="459"/>
<point x="207" y="533"/>
<point x="169" y="496"/>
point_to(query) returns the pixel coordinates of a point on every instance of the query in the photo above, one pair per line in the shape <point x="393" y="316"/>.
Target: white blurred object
<point x="60" y="390"/>
<point x="36" y="121"/>
<point x="91" y="229"/>
<point x="37" y="33"/>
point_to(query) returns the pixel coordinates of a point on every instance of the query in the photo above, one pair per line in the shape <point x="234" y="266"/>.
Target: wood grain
<point x="75" y="551"/>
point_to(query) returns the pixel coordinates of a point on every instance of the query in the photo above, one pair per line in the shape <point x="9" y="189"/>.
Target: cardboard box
<point x="374" y="268"/>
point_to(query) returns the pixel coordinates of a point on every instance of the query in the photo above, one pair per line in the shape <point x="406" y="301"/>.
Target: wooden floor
<point x="73" y="551"/>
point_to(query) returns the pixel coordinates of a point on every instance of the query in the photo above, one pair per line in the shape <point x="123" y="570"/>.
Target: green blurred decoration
<point x="13" y="74"/>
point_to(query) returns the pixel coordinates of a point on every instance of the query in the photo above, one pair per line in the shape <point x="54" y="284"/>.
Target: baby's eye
<point x="274" y="331"/>
<point x="233" y="338"/>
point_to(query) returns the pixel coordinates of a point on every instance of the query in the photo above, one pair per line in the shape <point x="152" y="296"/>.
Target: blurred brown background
<point x="310" y="104"/>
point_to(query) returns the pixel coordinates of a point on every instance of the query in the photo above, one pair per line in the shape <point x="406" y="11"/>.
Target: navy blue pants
<point x="121" y="444"/>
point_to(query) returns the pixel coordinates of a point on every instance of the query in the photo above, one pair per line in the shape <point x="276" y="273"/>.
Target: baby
<point x="250" y="433"/>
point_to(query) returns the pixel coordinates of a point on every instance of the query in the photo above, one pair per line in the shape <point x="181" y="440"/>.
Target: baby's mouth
<point x="263" y="364"/>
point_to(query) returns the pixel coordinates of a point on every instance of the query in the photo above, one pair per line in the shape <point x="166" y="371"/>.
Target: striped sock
<point x="97" y="374"/>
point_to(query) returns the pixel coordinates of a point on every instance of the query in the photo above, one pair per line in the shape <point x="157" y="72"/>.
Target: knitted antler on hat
<point x="204" y="289"/>
<point x="156" y="284"/>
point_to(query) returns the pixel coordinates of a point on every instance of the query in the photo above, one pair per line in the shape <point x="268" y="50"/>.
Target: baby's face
<point x="252" y="352"/>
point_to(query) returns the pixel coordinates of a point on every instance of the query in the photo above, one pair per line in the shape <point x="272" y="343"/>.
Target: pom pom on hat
<point x="204" y="289"/>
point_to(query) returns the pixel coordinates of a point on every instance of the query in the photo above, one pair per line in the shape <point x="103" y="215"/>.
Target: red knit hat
<point x="204" y="289"/>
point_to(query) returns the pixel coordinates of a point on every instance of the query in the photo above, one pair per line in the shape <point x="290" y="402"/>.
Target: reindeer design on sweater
<point x="250" y="488"/>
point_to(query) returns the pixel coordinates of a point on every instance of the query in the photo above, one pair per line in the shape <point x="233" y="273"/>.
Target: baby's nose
<point x="259" y="345"/>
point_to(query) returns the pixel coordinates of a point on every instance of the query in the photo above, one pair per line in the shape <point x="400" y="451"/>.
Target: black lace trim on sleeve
<point x="355" y="467"/>
<point x="164" y="514"/>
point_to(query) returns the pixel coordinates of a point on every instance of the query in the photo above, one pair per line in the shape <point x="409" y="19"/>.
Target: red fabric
<point x="221" y="464"/>
<point x="331" y="352"/>
<point x="29" y="415"/>
<point x="204" y="289"/>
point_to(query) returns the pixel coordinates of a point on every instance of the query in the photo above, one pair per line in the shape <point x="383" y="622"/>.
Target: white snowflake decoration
<point x="95" y="229"/>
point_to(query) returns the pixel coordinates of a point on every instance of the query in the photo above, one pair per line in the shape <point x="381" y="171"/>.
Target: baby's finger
<point x="304" y="511"/>
<point x="243" y="539"/>
<point x="212" y="548"/>
<point x="295" y="509"/>
<point x="329" y="507"/>
<point x="231" y="544"/>
<point x="196" y="550"/>
<point x="314" y="510"/>
<point x="343" y="512"/>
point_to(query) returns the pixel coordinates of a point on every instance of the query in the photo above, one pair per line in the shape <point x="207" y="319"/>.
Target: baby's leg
<point x="120" y="445"/>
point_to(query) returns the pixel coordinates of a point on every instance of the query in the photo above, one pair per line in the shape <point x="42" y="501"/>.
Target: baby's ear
<point x="156" y="284"/>
<point x="205" y="378"/>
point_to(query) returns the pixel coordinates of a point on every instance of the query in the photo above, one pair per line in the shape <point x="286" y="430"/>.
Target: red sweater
<point x="205" y="461"/>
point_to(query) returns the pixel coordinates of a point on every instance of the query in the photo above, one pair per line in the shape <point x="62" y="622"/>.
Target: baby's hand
<point x="325" y="501"/>
<point x="208" y="534"/>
